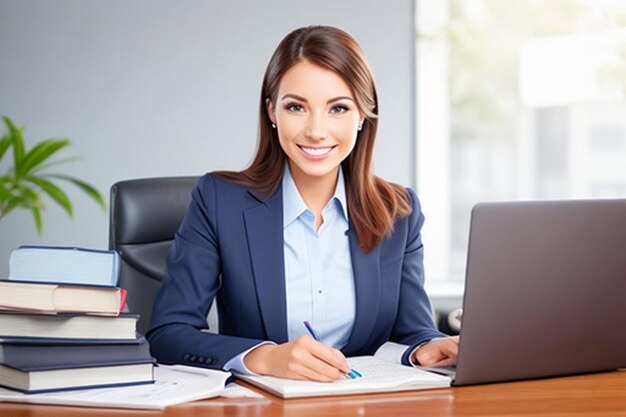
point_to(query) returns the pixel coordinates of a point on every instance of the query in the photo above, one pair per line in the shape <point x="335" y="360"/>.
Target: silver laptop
<point x="545" y="291"/>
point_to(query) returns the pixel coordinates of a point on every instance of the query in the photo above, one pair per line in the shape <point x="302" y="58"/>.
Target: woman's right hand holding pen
<point x="302" y="358"/>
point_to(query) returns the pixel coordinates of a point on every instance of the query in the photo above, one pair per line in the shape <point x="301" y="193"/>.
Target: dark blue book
<point x="43" y="368"/>
<point x="36" y="382"/>
<point x="45" y="356"/>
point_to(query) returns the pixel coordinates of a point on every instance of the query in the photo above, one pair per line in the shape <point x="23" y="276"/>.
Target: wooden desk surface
<point x="595" y="395"/>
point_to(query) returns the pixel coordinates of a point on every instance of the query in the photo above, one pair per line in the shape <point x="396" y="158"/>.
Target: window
<point x="516" y="100"/>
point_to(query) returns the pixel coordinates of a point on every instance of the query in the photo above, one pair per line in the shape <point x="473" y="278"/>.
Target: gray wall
<point x="157" y="88"/>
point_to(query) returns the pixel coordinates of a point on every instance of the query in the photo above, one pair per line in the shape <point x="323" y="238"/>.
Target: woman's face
<point x="317" y="121"/>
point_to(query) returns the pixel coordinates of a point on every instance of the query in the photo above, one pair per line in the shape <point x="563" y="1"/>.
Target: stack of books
<point x="62" y="325"/>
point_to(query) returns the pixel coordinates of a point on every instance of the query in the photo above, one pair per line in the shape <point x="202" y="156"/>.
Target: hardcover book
<point x="54" y="298"/>
<point x="68" y="326"/>
<point x="66" y="265"/>
<point x="75" y="378"/>
<point x="45" y="357"/>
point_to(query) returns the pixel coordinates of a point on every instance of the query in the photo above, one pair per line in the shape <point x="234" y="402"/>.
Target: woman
<point x="306" y="232"/>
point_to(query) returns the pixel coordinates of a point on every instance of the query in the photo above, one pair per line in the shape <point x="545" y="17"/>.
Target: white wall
<point x="158" y="88"/>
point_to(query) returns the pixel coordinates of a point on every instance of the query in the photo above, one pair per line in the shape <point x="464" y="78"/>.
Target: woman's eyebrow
<point x="294" y="97"/>
<point x="332" y="100"/>
<point x="300" y="98"/>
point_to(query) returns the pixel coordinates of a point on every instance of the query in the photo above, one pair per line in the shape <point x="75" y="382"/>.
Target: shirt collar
<point x="340" y="194"/>
<point x="294" y="206"/>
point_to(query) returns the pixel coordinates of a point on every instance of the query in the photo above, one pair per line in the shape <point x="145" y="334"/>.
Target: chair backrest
<point x="144" y="217"/>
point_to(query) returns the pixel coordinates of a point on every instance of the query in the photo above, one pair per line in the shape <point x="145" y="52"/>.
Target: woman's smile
<point x="316" y="152"/>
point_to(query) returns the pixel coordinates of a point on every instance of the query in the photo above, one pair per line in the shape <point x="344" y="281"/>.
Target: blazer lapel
<point x="264" y="229"/>
<point x="366" y="268"/>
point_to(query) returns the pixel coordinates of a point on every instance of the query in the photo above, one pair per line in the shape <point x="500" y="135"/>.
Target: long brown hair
<point x="373" y="204"/>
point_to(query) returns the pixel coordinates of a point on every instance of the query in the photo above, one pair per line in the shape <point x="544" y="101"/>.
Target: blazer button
<point x="186" y="357"/>
<point x="200" y="359"/>
<point x="193" y="358"/>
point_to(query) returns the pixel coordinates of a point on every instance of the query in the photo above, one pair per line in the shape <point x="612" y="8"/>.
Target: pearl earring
<point x="273" y="126"/>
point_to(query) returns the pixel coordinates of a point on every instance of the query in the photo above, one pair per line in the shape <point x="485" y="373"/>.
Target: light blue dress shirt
<point x="318" y="269"/>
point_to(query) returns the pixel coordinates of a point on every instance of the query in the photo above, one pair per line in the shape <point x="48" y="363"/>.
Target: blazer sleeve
<point x="180" y="310"/>
<point x="414" y="322"/>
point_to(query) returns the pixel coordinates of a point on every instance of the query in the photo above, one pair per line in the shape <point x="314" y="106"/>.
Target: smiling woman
<point x="306" y="233"/>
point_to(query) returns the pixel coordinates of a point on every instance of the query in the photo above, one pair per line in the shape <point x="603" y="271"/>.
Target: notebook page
<point x="378" y="376"/>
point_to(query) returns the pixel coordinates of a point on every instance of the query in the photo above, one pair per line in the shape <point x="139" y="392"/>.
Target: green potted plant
<point x="24" y="184"/>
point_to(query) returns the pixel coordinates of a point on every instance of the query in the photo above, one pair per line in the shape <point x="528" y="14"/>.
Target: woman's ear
<point x="269" y="106"/>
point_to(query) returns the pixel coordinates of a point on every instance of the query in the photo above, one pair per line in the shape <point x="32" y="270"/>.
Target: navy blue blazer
<point x="230" y="246"/>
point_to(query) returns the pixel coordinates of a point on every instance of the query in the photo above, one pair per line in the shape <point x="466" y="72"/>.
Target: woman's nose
<point x="316" y="128"/>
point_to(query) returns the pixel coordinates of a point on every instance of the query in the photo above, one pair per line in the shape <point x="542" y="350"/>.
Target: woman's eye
<point x="294" y="107"/>
<point x="339" y="109"/>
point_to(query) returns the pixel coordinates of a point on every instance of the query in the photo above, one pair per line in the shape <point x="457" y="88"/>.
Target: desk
<point x="595" y="395"/>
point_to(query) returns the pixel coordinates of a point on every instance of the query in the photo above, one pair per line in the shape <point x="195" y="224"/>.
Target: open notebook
<point x="378" y="376"/>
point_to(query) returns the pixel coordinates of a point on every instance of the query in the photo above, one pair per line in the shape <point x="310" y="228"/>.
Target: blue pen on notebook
<point x="353" y="374"/>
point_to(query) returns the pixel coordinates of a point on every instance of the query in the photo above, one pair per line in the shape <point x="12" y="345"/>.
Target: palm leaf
<point x="47" y="165"/>
<point x="90" y="190"/>
<point x="56" y="193"/>
<point x="5" y="142"/>
<point x="38" y="221"/>
<point x="22" y="197"/>
<point x="26" y="182"/>
<point x="5" y="193"/>
<point x="18" y="143"/>
<point x="42" y="151"/>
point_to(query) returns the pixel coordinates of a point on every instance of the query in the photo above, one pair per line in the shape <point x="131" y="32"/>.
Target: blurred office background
<point x="516" y="100"/>
<point x="480" y="99"/>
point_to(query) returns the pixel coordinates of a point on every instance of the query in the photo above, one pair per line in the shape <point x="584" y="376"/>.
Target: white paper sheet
<point x="174" y="385"/>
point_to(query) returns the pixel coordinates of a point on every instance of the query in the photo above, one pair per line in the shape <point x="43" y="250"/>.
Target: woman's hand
<point x="302" y="358"/>
<point x="442" y="352"/>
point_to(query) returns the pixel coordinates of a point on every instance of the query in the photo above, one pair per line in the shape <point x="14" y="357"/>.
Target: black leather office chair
<point x="144" y="216"/>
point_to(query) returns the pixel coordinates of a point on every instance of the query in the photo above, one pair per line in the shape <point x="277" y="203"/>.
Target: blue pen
<point x="353" y="374"/>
